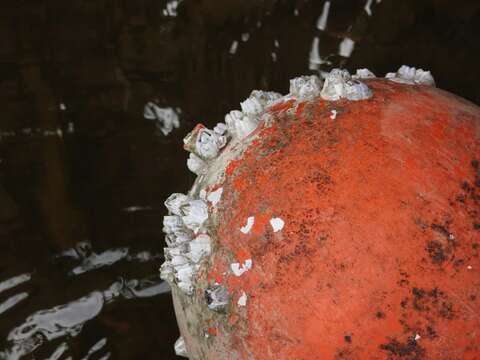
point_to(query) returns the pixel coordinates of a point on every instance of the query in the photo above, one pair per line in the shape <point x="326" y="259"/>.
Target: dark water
<point x="83" y="174"/>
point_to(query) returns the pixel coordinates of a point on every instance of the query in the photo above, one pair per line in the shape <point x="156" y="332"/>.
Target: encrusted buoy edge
<point x="411" y="75"/>
<point x="189" y="243"/>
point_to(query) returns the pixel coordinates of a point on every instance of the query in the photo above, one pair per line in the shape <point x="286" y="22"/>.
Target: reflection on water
<point x="67" y="321"/>
<point x="96" y="98"/>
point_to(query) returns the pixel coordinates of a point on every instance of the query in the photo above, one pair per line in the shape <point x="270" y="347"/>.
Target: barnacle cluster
<point x="187" y="234"/>
<point x="189" y="223"/>
<point x="410" y="75"/>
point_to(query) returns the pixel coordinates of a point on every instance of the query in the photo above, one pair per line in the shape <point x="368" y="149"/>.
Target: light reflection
<point x="346" y="47"/>
<point x="315" y="61"/>
<point x="12" y="301"/>
<point x="166" y="119"/>
<point x="59" y="351"/>
<point x="14" y="281"/>
<point x="323" y="19"/>
<point x="95" y="348"/>
<point x="67" y="320"/>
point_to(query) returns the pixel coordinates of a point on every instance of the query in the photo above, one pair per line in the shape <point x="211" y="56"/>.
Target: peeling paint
<point x="242" y="300"/>
<point x="250" y="221"/>
<point x="277" y="224"/>
<point x="238" y="269"/>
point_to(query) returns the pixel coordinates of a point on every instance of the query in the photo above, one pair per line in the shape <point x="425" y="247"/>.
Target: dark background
<point x="104" y="59"/>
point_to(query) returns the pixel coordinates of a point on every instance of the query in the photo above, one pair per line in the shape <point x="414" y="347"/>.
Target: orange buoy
<point x="339" y="221"/>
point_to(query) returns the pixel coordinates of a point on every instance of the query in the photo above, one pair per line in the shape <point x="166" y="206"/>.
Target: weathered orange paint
<point x="282" y="106"/>
<point x="212" y="331"/>
<point x="379" y="255"/>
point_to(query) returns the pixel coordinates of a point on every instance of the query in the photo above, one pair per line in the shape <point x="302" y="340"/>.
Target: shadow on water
<point x="84" y="171"/>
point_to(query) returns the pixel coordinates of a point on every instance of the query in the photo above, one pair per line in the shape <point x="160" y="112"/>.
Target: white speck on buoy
<point x="215" y="196"/>
<point x="242" y="300"/>
<point x="277" y="224"/>
<point x="417" y="337"/>
<point x="334" y="114"/>
<point x="250" y="221"/>
<point x="245" y="37"/>
<point x="469" y="267"/>
<point x="238" y="269"/>
<point x="63" y="107"/>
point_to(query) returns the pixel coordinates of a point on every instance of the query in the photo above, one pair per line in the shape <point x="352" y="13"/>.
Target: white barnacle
<point x="356" y="90"/>
<point x="220" y="128"/>
<point x="184" y="276"/>
<point x="339" y="85"/>
<point x="217" y="298"/>
<point x="166" y="271"/>
<point x="172" y="251"/>
<point x="334" y="114"/>
<point x="305" y="87"/>
<point x="334" y="85"/>
<point x="265" y="98"/>
<point x="209" y="143"/>
<point x="251" y="106"/>
<point x="196" y="165"/>
<point x="195" y="214"/>
<point x="239" y="124"/>
<point x="410" y="75"/>
<point x="179" y="237"/>
<point x="363" y="74"/>
<point x="178" y="260"/>
<point x="180" y="348"/>
<point x="199" y="248"/>
<point x="202" y="194"/>
<point x="172" y="224"/>
<point x="174" y="202"/>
